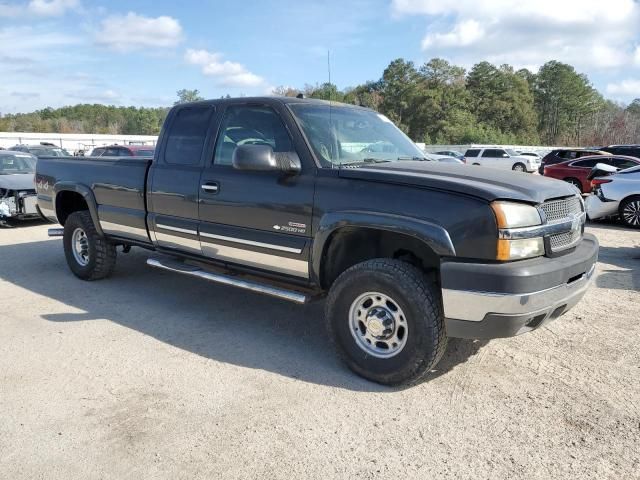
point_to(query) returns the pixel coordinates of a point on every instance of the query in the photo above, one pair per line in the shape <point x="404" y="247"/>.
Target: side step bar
<point x="56" y="232"/>
<point x="178" y="267"/>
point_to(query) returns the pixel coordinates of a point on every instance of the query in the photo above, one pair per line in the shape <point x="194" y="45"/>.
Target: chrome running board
<point x="178" y="267"/>
<point x="56" y="232"/>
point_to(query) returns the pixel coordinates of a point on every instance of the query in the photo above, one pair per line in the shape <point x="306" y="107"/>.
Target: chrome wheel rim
<point x="518" y="168"/>
<point x="378" y="325"/>
<point x="631" y="213"/>
<point x="80" y="247"/>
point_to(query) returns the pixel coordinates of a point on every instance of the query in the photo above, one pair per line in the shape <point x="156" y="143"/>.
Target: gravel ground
<point x="154" y="375"/>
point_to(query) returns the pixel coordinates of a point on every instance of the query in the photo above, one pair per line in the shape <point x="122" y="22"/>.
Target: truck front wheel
<point x="386" y="322"/>
<point x="89" y="256"/>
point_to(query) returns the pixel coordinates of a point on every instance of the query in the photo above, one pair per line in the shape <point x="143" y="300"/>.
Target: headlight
<point x="511" y="216"/>
<point x="514" y="215"/>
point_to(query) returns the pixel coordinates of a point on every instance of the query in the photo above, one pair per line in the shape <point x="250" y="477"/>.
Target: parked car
<point x="263" y="195"/>
<point x="442" y="158"/>
<point x="576" y="172"/>
<point x="452" y="153"/>
<point x="560" y="155"/>
<point x="618" y="193"/>
<point x="625" y="150"/>
<point x="123" y="151"/>
<point x="535" y="155"/>
<point x="46" y="150"/>
<point x="17" y="189"/>
<point x="502" y="158"/>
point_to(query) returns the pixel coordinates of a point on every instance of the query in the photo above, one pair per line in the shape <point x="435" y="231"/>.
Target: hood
<point x="482" y="182"/>
<point x="18" y="181"/>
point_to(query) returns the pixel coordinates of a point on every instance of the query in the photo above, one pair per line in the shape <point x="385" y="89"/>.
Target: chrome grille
<point x="564" y="240"/>
<point x="561" y="209"/>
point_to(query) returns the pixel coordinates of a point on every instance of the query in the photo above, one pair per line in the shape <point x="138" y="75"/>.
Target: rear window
<point x="472" y="153"/>
<point x="186" y="137"/>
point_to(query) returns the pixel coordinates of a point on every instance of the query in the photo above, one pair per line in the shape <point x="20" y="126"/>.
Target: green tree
<point x="186" y="95"/>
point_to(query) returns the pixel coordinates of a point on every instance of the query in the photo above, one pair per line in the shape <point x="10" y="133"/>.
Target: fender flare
<point x="433" y="235"/>
<point x="88" y="196"/>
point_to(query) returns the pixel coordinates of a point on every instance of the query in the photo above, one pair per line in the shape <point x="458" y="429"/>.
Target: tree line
<point x="436" y="103"/>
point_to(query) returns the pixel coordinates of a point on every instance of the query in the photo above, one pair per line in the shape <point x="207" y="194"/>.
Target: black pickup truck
<point x="300" y="199"/>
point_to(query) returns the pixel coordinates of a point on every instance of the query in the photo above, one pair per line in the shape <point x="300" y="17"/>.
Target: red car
<point x="575" y="171"/>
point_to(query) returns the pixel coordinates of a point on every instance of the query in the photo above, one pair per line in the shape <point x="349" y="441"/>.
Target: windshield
<point x="11" y="164"/>
<point x="512" y="153"/>
<point x="351" y="136"/>
<point x="631" y="169"/>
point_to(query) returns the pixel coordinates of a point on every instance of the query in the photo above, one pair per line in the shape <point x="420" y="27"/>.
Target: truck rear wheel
<point x="89" y="256"/>
<point x="385" y="319"/>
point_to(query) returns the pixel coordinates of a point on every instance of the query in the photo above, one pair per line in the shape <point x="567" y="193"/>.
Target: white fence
<point x="74" y="141"/>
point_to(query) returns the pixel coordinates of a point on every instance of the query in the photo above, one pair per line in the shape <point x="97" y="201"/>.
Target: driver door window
<point x="250" y="125"/>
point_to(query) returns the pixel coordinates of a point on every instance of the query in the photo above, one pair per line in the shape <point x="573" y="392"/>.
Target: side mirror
<point x="262" y="158"/>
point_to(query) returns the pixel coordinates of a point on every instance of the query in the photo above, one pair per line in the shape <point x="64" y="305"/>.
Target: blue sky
<point x="61" y="52"/>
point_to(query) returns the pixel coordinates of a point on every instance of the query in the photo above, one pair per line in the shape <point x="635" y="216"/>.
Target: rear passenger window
<point x="493" y="153"/>
<point x="588" y="163"/>
<point x="472" y="153"/>
<point x="186" y="136"/>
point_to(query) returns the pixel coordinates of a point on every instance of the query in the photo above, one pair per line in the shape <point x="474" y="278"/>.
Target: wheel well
<point x="573" y="179"/>
<point x="349" y="246"/>
<point x="68" y="202"/>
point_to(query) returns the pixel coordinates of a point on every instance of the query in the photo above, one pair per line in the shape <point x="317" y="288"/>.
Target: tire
<point x="96" y="259"/>
<point x="575" y="182"/>
<point x="418" y="312"/>
<point x="519" y="167"/>
<point x="629" y="211"/>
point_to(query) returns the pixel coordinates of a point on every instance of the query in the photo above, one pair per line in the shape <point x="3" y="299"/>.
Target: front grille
<point x="564" y="240"/>
<point x="562" y="209"/>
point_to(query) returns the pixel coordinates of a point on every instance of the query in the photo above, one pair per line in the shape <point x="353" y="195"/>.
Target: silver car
<point x="617" y="194"/>
<point x="17" y="190"/>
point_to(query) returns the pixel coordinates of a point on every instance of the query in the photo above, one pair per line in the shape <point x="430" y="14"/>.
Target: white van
<point x="503" y="158"/>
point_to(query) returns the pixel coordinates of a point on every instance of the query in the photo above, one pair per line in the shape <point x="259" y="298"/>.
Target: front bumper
<point x="507" y="299"/>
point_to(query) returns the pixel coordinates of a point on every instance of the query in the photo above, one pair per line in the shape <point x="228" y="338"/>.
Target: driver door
<point x="256" y="219"/>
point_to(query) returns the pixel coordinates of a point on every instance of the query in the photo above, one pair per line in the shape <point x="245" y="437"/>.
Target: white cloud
<point x="626" y="88"/>
<point x="463" y="34"/>
<point x="586" y="33"/>
<point x="52" y="8"/>
<point x="133" y="32"/>
<point x="44" y="8"/>
<point x="228" y="74"/>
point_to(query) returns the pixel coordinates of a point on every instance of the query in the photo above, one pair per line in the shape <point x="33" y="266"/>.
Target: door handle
<point x="210" y="187"/>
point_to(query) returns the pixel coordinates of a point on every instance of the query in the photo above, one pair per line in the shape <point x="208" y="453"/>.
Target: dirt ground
<point x="153" y="375"/>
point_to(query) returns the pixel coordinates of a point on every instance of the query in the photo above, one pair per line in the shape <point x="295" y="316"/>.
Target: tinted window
<point x="111" y="152"/>
<point x="250" y="125"/>
<point x="494" y="153"/>
<point x="588" y="163"/>
<point x="144" y="153"/>
<point x="124" y="152"/>
<point x="187" y="135"/>
<point x="472" y="153"/>
<point x="97" y="152"/>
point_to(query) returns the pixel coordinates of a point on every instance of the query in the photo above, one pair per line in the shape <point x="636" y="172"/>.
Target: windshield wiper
<point x="364" y="161"/>
<point x="419" y="159"/>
